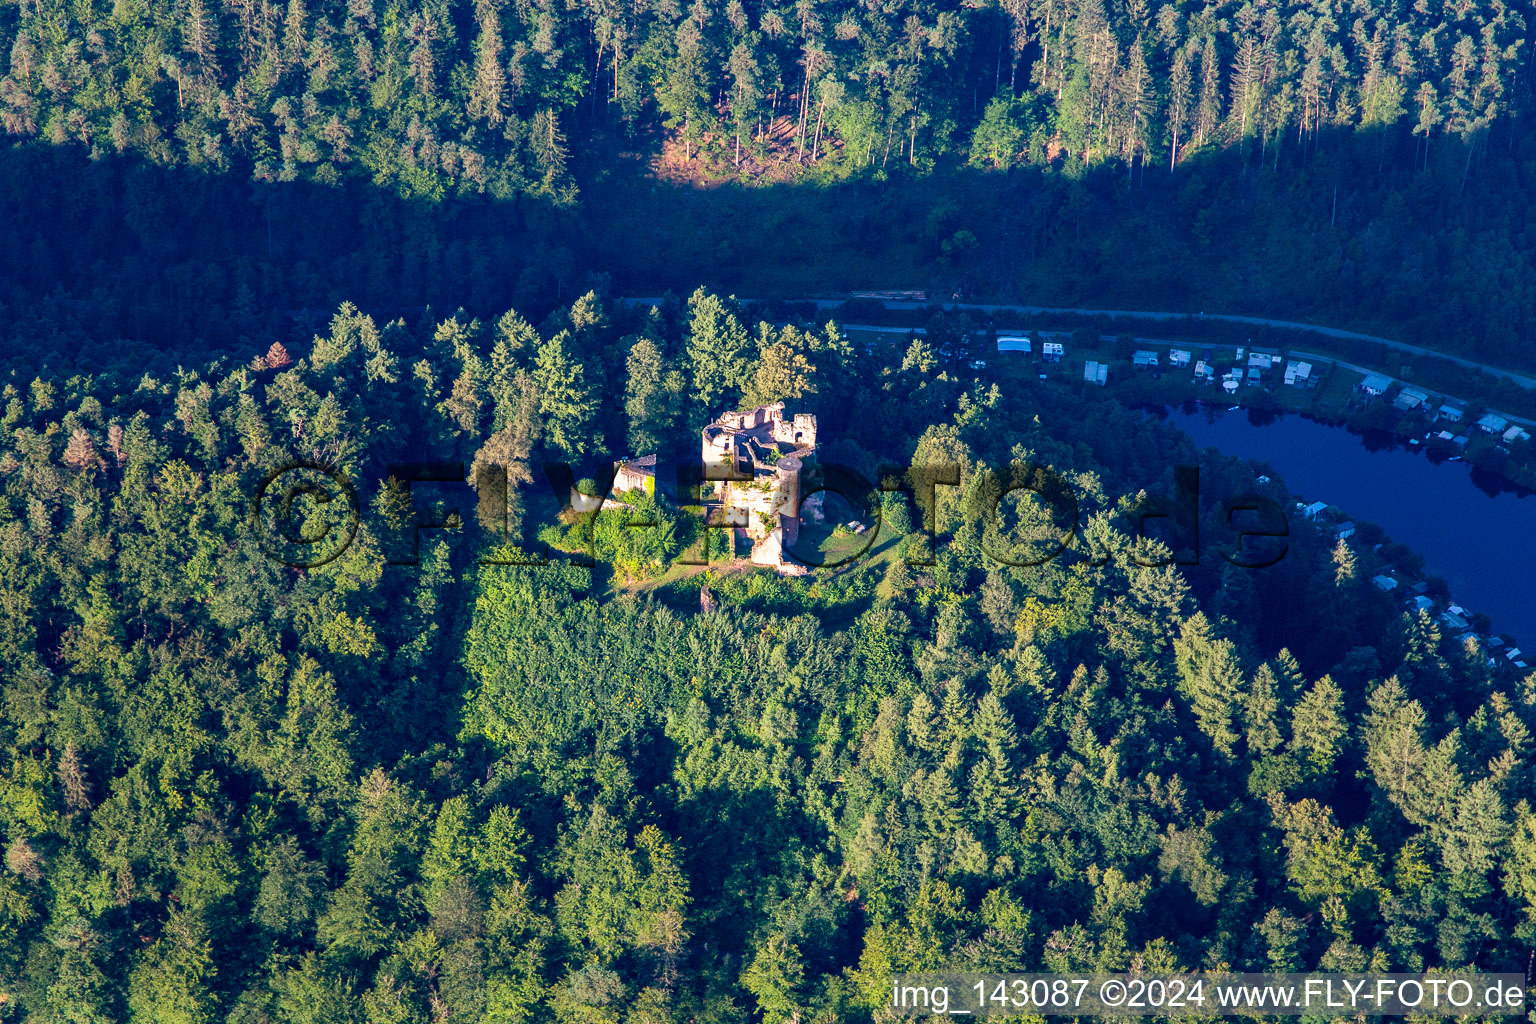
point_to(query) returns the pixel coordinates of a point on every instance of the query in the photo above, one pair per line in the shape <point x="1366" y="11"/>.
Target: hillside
<point x="465" y="790"/>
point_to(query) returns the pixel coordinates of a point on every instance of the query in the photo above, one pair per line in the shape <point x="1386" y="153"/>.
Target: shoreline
<point x="1410" y="584"/>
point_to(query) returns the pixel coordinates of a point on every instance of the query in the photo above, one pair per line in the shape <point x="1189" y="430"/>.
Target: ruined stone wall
<point x="770" y="500"/>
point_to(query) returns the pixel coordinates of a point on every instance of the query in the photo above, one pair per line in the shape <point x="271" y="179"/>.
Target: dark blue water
<point x="1473" y="529"/>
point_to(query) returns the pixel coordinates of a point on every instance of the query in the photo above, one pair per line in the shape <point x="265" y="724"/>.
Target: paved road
<point x="1132" y="314"/>
<point x="1316" y="357"/>
<point x="1328" y="332"/>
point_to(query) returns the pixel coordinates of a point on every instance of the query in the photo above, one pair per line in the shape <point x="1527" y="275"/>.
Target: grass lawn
<point x="1336" y="390"/>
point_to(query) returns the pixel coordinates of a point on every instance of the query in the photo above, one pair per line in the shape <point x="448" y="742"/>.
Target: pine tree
<point x="73" y="780"/>
<point x="992" y="786"/>
<point x="1247" y="84"/>
<point x="547" y="143"/>
<point x="172" y="980"/>
<point x="650" y="399"/>
<point x="773" y="977"/>
<point x="954" y="716"/>
<point x="1394" y="743"/>
<point x="294" y="33"/>
<point x="1421" y="645"/>
<point x="565" y="399"/>
<point x="782" y="373"/>
<point x="1217" y="694"/>
<point x="746" y="94"/>
<point x="463" y="405"/>
<point x="1136" y="103"/>
<point x="923" y="724"/>
<point x="1423" y="782"/>
<point x="587" y="317"/>
<point x="1180" y="84"/>
<point x="1519" y="876"/>
<point x="1317" y="725"/>
<point x="200" y="37"/>
<point x="719" y="351"/>
<point x="1288" y="677"/>
<point x="1192" y="649"/>
<point x="684" y="90"/>
<point x="485" y="97"/>
<point x="1346" y="569"/>
<point x="1428" y="114"/>
<point x="1208" y="110"/>
<point x="1475" y="836"/>
<point x="1210" y="679"/>
<point x="939" y="797"/>
<point x="115" y="441"/>
<point x="1262" y="712"/>
<point x="80" y="452"/>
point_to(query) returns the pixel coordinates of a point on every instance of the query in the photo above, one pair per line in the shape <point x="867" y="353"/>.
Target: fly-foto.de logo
<point x="307" y="513"/>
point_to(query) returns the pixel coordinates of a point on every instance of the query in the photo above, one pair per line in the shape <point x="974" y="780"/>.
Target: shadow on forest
<point x="187" y="262"/>
<point x="184" y="260"/>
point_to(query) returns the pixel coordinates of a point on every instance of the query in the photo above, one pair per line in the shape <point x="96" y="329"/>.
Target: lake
<point x="1473" y="529"/>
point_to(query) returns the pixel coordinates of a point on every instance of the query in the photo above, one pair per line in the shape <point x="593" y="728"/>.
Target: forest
<point x="490" y="760"/>
<point x="440" y="98"/>
<point x="464" y="790"/>
<point x="219" y="169"/>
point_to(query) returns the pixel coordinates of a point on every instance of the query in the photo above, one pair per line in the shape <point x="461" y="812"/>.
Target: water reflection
<point x="1474" y="528"/>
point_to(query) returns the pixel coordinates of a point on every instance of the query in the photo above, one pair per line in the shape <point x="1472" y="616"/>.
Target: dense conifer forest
<point x="195" y="170"/>
<point x="462" y="790"/>
<point x="424" y="779"/>
<point x="442" y="98"/>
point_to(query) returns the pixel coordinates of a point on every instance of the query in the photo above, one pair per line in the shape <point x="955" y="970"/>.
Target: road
<point x="1132" y="314"/>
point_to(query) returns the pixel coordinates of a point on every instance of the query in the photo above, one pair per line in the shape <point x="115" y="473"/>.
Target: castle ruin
<point x="754" y="459"/>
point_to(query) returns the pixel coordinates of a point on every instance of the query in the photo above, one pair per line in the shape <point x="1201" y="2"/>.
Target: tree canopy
<point x="430" y="779"/>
